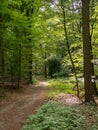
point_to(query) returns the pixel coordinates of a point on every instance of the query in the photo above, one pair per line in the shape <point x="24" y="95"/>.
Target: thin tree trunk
<point x="2" y="69"/>
<point x="93" y="73"/>
<point x="68" y="47"/>
<point x="29" y="13"/>
<point x="30" y="68"/>
<point x="45" y="67"/>
<point x="19" y="66"/>
<point x="45" y="70"/>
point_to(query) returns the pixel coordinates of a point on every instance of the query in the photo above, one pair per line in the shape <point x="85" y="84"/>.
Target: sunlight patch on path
<point x="43" y="84"/>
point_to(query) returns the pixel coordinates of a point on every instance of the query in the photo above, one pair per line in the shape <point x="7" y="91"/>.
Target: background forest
<point x="49" y="54"/>
<point x="44" y="38"/>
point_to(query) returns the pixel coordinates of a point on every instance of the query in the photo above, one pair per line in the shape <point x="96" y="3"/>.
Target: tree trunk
<point x="45" y="66"/>
<point x="29" y="13"/>
<point x="19" y="66"/>
<point x="1" y="51"/>
<point x="68" y="47"/>
<point x="30" y="68"/>
<point x="93" y="73"/>
<point x="88" y="85"/>
<point x="92" y="28"/>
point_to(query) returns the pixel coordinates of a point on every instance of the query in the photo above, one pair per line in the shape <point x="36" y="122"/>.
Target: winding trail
<point x="13" y="113"/>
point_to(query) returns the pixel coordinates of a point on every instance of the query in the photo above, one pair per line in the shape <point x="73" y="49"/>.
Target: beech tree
<point x="88" y="85"/>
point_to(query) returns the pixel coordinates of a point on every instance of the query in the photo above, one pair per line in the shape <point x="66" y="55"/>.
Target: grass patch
<point x="64" y="85"/>
<point x="61" y="85"/>
<point x="34" y="80"/>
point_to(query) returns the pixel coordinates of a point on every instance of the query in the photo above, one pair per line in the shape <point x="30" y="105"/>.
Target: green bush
<point x="55" y="116"/>
<point x="34" y="80"/>
<point x="64" y="72"/>
<point x="54" y="65"/>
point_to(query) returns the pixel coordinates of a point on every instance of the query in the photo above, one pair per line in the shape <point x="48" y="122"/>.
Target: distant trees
<point x="28" y="9"/>
<point x="2" y="47"/>
<point x="32" y="31"/>
<point x="16" y="40"/>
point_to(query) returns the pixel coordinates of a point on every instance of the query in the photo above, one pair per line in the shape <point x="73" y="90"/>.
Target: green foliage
<point x="65" y="85"/>
<point x="61" y="85"/>
<point x="65" y="71"/>
<point x="90" y="114"/>
<point x="55" y="116"/>
<point x="17" y="19"/>
<point x="37" y="26"/>
<point x="34" y="80"/>
<point x="53" y="65"/>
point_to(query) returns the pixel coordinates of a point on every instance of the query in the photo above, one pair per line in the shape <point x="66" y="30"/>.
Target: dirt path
<point x="14" y="112"/>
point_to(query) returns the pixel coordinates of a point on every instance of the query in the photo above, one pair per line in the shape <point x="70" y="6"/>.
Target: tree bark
<point x="45" y="66"/>
<point x="93" y="73"/>
<point x="92" y="28"/>
<point x="88" y="85"/>
<point x="1" y="51"/>
<point x="30" y="68"/>
<point x="29" y="12"/>
<point x="19" y="65"/>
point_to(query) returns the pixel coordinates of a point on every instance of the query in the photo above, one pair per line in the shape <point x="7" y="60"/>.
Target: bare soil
<point x="19" y="104"/>
<point x="67" y="99"/>
<point x="15" y="110"/>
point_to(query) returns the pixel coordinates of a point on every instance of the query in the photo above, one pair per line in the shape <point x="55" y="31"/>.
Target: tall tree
<point x="88" y="85"/>
<point x="2" y="68"/>
<point x="92" y="29"/>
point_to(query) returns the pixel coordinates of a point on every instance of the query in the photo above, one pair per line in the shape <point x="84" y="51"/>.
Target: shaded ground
<point x="14" y="112"/>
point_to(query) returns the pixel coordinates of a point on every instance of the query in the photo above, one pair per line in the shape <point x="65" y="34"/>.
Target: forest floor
<point x="17" y="106"/>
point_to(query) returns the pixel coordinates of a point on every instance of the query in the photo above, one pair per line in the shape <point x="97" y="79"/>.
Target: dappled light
<point x="48" y="55"/>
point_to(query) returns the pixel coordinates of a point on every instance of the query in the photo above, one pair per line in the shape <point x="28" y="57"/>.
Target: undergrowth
<point x="66" y="85"/>
<point x="54" y="116"/>
<point x="60" y="85"/>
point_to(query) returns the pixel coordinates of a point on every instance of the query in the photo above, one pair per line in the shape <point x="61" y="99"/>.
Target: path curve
<point x="14" y="113"/>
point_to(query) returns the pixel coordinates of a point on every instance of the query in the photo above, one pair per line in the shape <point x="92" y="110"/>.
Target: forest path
<point x="15" y="111"/>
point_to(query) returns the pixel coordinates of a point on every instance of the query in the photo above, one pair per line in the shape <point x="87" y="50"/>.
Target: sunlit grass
<point x="65" y="85"/>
